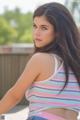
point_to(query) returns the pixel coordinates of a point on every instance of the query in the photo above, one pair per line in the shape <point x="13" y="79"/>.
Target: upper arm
<point x="31" y="71"/>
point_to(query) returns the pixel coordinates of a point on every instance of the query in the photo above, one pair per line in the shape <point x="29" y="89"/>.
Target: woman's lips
<point x="38" y="39"/>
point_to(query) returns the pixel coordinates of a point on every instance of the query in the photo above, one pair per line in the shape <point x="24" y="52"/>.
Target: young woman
<point x="52" y="75"/>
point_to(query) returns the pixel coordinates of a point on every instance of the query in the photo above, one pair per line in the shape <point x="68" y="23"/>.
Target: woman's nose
<point x="37" y="32"/>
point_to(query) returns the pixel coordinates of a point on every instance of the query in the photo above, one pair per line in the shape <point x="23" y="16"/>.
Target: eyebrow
<point x="43" y="25"/>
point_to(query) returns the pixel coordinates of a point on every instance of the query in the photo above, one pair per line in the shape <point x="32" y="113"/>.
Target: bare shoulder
<point x="35" y="63"/>
<point x="43" y="60"/>
<point x="46" y="65"/>
<point x="38" y="58"/>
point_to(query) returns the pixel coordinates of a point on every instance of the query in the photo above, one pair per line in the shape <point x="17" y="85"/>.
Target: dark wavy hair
<point x="67" y="42"/>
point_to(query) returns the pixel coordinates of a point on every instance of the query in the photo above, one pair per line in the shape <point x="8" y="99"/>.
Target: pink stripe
<point x="45" y="86"/>
<point x="62" y="78"/>
<point x="56" y="103"/>
<point x="50" y="116"/>
<point x="53" y="95"/>
<point x="55" y="86"/>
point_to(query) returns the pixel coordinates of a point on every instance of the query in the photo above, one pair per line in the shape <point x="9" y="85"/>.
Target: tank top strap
<point x="56" y="63"/>
<point x="57" y="59"/>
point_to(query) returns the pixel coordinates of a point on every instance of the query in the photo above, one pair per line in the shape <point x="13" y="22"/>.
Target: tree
<point x="19" y="26"/>
<point x="7" y="33"/>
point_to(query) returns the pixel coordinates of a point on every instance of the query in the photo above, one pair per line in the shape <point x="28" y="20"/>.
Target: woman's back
<point x="43" y="94"/>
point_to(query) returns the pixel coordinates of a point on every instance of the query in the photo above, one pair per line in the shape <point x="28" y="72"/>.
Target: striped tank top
<point x="45" y="94"/>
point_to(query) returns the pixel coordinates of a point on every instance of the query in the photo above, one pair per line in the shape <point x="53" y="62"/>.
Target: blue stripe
<point x="56" y="89"/>
<point x="72" y="100"/>
<point x="54" y="92"/>
<point x="60" y="81"/>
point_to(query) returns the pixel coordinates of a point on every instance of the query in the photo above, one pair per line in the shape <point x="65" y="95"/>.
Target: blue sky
<point x="24" y="5"/>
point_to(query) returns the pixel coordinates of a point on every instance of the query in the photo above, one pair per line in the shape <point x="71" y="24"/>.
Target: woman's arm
<point x="8" y="101"/>
<point x="16" y="93"/>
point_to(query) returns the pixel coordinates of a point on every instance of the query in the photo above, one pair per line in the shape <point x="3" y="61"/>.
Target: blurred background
<point x="16" y="18"/>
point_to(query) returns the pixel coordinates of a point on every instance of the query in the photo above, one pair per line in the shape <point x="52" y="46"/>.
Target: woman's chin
<point x="38" y="46"/>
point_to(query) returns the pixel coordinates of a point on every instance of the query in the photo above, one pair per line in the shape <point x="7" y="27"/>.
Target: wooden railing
<point x="12" y="63"/>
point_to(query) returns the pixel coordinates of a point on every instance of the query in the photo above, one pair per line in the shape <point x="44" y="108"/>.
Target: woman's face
<point x="43" y="31"/>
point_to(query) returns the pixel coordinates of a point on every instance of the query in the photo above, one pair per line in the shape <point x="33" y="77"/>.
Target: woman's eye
<point x="34" y="26"/>
<point x="44" y="28"/>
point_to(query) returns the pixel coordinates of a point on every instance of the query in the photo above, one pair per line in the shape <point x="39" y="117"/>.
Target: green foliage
<point x="26" y="37"/>
<point x="7" y="33"/>
<point x="15" y="27"/>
